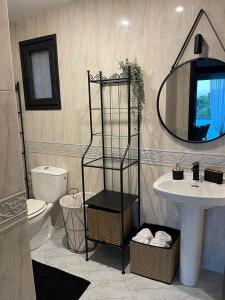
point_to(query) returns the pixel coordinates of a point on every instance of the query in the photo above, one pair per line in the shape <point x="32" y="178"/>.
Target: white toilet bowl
<point x="39" y="220"/>
<point x="49" y="184"/>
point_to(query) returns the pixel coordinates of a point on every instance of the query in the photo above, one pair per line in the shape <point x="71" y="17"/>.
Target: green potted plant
<point x="137" y="83"/>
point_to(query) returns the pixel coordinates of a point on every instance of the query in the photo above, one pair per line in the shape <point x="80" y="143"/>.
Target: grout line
<point x="7" y="91"/>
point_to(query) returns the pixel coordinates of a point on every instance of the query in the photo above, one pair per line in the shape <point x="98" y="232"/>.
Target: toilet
<point x="49" y="184"/>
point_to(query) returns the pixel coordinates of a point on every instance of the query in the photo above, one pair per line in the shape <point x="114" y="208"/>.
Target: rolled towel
<point x="141" y="239"/>
<point x="163" y="236"/>
<point x="159" y="243"/>
<point x="145" y="232"/>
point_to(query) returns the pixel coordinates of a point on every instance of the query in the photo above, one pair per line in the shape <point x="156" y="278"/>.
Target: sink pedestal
<point x="193" y="198"/>
<point x="191" y="244"/>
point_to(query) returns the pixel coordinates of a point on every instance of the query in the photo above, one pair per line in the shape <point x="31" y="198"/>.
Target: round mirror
<point x="191" y="100"/>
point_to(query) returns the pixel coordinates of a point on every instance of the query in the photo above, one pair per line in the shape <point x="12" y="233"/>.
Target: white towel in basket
<point x="141" y="239"/>
<point x="145" y="232"/>
<point x="144" y="236"/>
<point x="159" y="243"/>
<point x="163" y="236"/>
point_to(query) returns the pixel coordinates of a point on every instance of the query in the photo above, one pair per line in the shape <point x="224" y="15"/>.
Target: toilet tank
<point x="49" y="183"/>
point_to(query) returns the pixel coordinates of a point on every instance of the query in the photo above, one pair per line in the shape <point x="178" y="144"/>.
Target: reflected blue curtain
<point x="217" y="104"/>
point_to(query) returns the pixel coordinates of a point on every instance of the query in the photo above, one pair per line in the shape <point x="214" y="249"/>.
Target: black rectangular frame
<point x="38" y="44"/>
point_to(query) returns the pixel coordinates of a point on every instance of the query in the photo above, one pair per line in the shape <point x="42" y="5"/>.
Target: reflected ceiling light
<point x="179" y="9"/>
<point x="125" y="23"/>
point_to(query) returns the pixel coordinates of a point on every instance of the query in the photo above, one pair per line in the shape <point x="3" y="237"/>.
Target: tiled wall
<point x="16" y="280"/>
<point x="90" y="36"/>
<point x="11" y="180"/>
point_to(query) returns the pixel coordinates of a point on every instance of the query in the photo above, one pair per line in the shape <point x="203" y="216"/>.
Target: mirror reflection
<point x="191" y="100"/>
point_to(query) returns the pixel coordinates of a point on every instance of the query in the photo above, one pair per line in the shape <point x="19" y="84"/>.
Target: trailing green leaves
<point x="137" y="83"/>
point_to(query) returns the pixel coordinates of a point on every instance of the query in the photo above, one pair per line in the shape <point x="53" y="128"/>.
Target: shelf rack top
<point x="114" y="79"/>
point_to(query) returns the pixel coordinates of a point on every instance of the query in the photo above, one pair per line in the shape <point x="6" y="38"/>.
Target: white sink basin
<point x="187" y="191"/>
<point x="193" y="197"/>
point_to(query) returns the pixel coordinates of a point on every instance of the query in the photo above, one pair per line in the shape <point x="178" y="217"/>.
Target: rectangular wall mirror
<point x="39" y="63"/>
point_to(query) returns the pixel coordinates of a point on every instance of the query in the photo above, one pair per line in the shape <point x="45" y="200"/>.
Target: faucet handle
<point x="195" y="166"/>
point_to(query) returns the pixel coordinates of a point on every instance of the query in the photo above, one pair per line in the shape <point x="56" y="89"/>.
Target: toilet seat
<point x="35" y="207"/>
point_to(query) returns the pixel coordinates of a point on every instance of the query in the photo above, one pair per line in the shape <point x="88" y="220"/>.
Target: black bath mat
<point x="54" y="284"/>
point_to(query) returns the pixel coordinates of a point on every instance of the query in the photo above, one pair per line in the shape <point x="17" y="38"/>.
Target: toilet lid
<point x="34" y="206"/>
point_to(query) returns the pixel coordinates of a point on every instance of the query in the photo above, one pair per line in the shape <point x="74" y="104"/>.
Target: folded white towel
<point x="141" y="239"/>
<point x="163" y="236"/>
<point x="145" y="232"/>
<point x="159" y="243"/>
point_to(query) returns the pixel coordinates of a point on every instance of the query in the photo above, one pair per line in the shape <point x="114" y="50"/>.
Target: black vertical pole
<point x="128" y="106"/>
<point x="139" y="166"/>
<point x="90" y="105"/>
<point x="121" y="170"/>
<point x="20" y="112"/>
<point x="82" y="168"/>
<point x="103" y="138"/>
<point x="84" y="212"/>
<point x="122" y="219"/>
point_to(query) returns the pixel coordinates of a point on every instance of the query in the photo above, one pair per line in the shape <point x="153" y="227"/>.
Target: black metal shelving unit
<point x="20" y="114"/>
<point x="119" y="136"/>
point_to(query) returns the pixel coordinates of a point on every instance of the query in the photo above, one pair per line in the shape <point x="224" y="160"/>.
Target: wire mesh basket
<point x="73" y="218"/>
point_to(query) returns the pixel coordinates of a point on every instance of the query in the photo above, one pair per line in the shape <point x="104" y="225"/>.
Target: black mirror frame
<point x="37" y="44"/>
<point x="158" y="99"/>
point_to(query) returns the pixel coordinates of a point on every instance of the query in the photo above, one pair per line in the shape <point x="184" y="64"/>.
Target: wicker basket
<point x="154" y="262"/>
<point x="105" y="226"/>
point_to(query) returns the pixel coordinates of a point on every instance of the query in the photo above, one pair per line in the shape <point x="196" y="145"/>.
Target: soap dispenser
<point x="178" y="172"/>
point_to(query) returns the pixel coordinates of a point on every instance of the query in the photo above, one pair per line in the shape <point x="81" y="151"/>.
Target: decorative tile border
<point x="148" y="156"/>
<point x="60" y="149"/>
<point x="13" y="209"/>
<point x="170" y="158"/>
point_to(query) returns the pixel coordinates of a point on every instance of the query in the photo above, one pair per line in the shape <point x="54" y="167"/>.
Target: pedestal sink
<point x="194" y="197"/>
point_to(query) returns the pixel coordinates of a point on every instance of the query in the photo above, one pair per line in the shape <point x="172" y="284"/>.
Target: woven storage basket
<point x="155" y="262"/>
<point x="105" y="226"/>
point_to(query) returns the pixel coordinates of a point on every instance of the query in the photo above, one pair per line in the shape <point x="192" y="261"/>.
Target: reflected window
<point x="40" y="73"/>
<point x="191" y="100"/>
<point x="207" y="103"/>
<point x="203" y="111"/>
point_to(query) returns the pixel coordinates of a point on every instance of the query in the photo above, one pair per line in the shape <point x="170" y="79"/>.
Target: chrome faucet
<point x="195" y="170"/>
